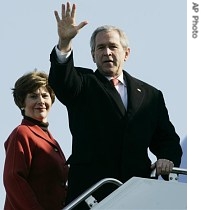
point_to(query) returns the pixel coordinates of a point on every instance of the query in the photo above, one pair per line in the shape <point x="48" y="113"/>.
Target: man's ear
<point x="127" y="53"/>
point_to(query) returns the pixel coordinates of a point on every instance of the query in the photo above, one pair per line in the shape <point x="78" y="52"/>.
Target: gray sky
<point x="157" y="32"/>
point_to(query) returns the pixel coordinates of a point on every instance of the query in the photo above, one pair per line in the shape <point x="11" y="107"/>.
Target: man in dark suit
<point x="112" y="125"/>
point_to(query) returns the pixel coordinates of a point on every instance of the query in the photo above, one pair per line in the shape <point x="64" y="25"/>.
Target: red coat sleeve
<point x="16" y="171"/>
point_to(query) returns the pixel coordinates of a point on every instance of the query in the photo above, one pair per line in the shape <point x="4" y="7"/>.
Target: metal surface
<point x="158" y="194"/>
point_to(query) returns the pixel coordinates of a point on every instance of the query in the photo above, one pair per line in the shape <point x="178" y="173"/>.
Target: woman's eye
<point x="45" y="95"/>
<point x="33" y="96"/>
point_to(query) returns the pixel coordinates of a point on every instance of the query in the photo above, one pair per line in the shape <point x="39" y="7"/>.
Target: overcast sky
<point x="157" y="32"/>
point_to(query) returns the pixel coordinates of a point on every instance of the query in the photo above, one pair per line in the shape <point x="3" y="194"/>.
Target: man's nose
<point x="107" y="51"/>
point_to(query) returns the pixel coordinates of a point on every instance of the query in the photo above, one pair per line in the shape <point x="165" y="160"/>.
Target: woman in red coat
<point x="35" y="173"/>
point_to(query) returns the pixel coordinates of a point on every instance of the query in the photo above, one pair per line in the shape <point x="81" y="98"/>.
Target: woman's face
<point x="38" y="104"/>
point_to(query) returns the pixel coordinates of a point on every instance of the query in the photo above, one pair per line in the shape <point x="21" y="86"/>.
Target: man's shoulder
<point x="83" y="70"/>
<point x="141" y="83"/>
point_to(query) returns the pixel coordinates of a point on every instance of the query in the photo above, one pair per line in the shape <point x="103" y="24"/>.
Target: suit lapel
<point x="39" y="132"/>
<point x="135" y="93"/>
<point x="116" y="99"/>
<point x="112" y="92"/>
<point x="46" y="136"/>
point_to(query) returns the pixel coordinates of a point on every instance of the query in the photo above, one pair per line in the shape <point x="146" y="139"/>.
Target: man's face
<point x="109" y="54"/>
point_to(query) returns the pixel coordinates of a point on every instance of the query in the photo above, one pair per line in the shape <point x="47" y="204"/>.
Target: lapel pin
<point x="139" y="90"/>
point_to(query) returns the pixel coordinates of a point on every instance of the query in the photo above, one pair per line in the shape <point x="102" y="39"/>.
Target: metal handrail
<point x="179" y="171"/>
<point x="175" y="170"/>
<point x="88" y="192"/>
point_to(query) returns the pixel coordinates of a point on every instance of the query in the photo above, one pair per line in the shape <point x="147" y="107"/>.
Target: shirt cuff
<point x="61" y="56"/>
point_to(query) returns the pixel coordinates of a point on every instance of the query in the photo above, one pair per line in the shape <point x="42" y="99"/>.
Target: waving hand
<point x="67" y="28"/>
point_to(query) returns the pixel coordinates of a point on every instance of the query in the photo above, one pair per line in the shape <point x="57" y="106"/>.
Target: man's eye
<point x="100" y="47"/>
<point x="113" y="46"/>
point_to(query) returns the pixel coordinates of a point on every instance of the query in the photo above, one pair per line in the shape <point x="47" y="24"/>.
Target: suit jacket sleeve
<point x="165" y="142"/>
<point x="65" y="74"/>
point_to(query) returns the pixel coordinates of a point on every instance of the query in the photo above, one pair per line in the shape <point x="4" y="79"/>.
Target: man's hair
<point x="123" y="37"/>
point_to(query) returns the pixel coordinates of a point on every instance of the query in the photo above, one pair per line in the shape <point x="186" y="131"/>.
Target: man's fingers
<point x="73" y="12"/>
<point x="68" y="10"/>
<point x="164" y="166"/>
<point x="63" y="13"/>
<point x="82" y="24"/>
<point x="57" y="16"/>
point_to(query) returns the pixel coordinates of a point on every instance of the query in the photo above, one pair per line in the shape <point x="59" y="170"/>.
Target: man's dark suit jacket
<point x="109" y="141"/>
